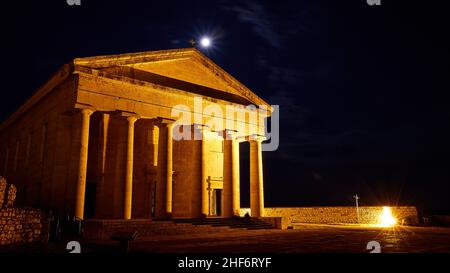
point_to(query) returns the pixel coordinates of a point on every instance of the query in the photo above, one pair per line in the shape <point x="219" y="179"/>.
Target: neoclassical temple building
<point x="101" y="139"/>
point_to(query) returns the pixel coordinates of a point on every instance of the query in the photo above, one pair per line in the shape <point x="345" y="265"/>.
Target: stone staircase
<point x="234" y="223"/>
<point x="104" y="229"/>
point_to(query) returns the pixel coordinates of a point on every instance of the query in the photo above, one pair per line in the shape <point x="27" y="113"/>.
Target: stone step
<point x="98" y="229"/>
<point x="207" y="220"/>
<point x="252" y="223"/>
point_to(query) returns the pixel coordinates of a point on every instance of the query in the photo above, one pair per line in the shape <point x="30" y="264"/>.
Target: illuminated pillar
<point x="256" y="178"/>
<point x="151" y="163"/>
<point x="154" y="144"/>
<point x="164" y="185"/>
<point x="128" y="200"/>
<point x="169" y="171"/>
<point x="227" y="177"/>
<point x="231" y="191"/>
<point x="160" y="202"/>
<point x="204" y="182"/>
<point x="103" y="142"/>
<point x="82" y="163"/>
<point x="103" y="139"/>
<point x="235" y="178"/>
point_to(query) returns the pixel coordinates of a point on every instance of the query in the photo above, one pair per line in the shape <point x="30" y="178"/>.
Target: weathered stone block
<point x="10" y="196"/>
<point x="3" y="185"/>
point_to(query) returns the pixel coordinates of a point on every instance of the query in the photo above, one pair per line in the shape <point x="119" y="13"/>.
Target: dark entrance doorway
<point x="153" y="198"/>
<point x="89" y="202"/>
<point x="218" y="201"/>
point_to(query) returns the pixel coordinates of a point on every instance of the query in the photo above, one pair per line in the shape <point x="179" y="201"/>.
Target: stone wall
<point x="339" y="215"/>
<point x="19" y="225"/>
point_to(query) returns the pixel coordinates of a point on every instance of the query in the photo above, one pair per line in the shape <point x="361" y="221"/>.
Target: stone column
<point x="154" y="143"/>
<point x="204" y="177"/>
<point x="256" y="178"/>
<point x="169" y="170"/>
<point x="235" y="180"/>
<point x="151" y="163"/>
<point x="103" y="140"/>
<point x="101" y="197"/>
<point x="82" y="163"/>
<point x="160" y="202"/>
<point x="128" y="200"/>
<point x="227" y="177"/>
<point x="164" y="171"/>
<point x="231" y="191"/>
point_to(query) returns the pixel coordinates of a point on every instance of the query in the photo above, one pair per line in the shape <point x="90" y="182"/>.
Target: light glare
<point x="205" y="42"/>
<point x="386" y="218"/>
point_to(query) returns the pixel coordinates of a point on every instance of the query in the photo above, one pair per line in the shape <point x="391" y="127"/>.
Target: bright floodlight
<point x="205" y="42"/>
<point x="386" y="218"/>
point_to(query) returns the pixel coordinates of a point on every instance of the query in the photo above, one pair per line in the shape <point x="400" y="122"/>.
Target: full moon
<point x="205" y="42"/>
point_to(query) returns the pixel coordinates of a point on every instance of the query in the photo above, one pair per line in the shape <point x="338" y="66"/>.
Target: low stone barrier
<point x="406" y="215"/>
<point x="19" y="225"/>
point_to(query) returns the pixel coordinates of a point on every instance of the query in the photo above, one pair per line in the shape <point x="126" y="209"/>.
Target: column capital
<point x="130" y="116"/>
<point x="163" y="122"/>
<point x="201" y="131"/>
<point x="85" y="109"/>
<point x="228" y="134"/>
<point x="200" y="127"/>
<point x="132" y="119"/>
<point x="255" y="137"/>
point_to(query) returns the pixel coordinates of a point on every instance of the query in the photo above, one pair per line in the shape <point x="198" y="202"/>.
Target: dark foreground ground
<point x="303" y="239"/>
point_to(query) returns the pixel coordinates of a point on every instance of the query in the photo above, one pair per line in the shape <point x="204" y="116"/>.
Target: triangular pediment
<point x="188" y="70"/>
<point x="185" y="69"/>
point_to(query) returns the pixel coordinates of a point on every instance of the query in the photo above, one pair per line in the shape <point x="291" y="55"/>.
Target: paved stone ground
<point x="303" y="239"/>
<point x="309" y="238"/>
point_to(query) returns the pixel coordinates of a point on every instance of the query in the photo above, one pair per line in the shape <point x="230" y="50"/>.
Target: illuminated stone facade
<point x="96" y="140"/>
<point x="369" y="215"/>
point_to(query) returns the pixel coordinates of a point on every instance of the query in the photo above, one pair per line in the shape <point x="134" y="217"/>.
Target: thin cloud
<point x="255" y="14"/>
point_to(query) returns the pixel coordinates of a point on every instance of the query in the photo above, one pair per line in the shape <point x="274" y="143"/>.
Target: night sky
<point x="363" y="90"/>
